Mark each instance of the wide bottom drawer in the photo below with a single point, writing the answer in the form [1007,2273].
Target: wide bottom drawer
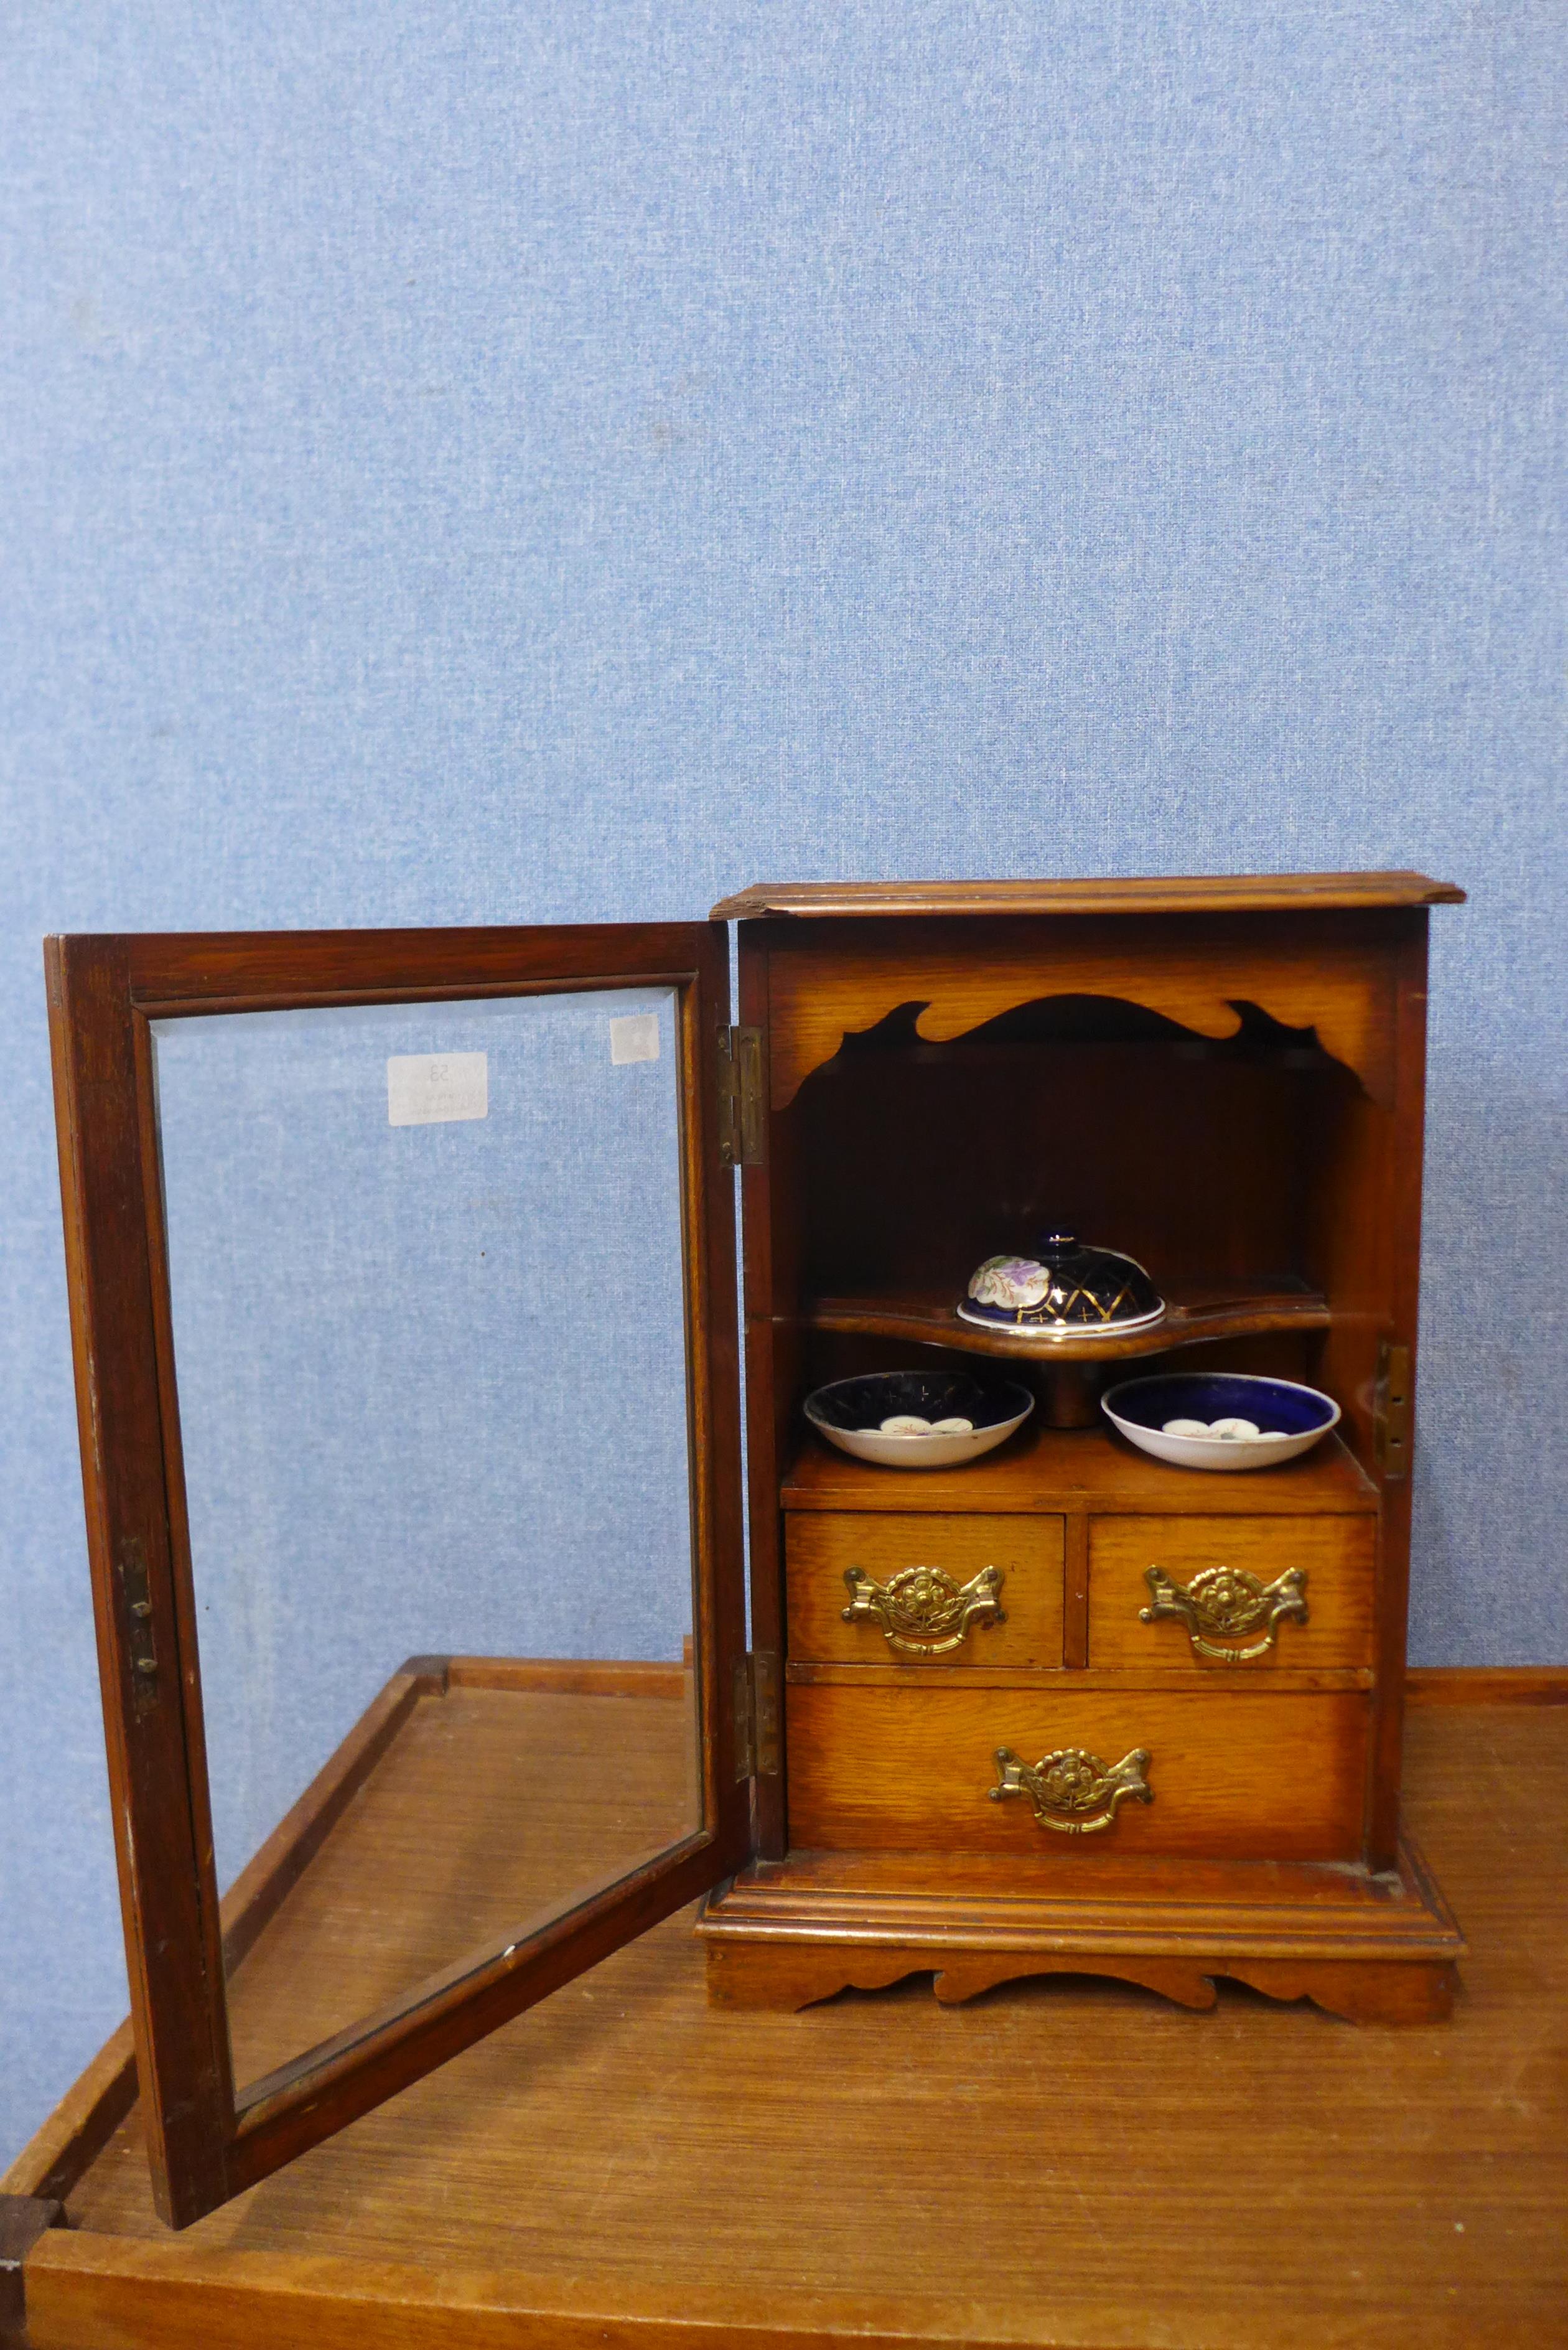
[1253,1776]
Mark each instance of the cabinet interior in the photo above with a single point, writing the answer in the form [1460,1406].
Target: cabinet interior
[1224,1167]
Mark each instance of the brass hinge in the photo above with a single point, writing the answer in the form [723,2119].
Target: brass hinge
[757,1716]
[1391,1413]
[140,1648]
[741,1097]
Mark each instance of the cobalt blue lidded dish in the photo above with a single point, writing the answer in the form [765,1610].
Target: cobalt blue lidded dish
[1070,1290]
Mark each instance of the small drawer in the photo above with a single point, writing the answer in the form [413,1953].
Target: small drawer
[1251,1593]
[881,1587]
[1262,1776]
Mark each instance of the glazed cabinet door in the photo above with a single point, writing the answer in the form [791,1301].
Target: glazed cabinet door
[402,1283]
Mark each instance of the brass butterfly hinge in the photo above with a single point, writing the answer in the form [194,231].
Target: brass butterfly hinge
[1073,1789]
[1223,1605]
[1391,1412]
[757,1716]
[921,1610]
[741,1097]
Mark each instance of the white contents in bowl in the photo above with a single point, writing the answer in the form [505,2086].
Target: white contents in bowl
[906,1423]
[1229,1431]
[952,1428]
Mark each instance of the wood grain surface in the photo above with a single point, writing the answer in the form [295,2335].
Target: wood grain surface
[1372,1949]
[1074,1470]
[1326,972]
[933,1320]
[1253,1773]
[23,2219]
[917,1160]
[1063,2163]
[1487,1685]
[1337,1556]
[1196,893]
[205,2143]
[820,1545]
[1224,1079]
[142,1614]
[492,1811]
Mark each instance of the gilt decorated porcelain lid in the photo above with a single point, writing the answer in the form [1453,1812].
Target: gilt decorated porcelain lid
[1069,1290]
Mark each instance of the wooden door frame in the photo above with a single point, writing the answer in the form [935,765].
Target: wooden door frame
[205,2142]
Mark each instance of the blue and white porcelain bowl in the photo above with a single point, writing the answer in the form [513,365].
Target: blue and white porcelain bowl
[1289,1420]
[851,1414]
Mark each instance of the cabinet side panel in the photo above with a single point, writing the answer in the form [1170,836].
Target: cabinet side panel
[1365,1257]
[1404,1215]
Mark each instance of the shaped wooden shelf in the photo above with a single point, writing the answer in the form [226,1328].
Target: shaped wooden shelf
[1213,1311]
[1079,1470]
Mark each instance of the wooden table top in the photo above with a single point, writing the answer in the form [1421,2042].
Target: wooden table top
[1063,2162]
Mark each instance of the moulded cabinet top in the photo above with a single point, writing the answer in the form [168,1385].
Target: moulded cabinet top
[1178,893]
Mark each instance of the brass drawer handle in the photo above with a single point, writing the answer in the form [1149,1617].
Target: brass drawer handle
[1224,1604]
[1073,1789]
[922,1611]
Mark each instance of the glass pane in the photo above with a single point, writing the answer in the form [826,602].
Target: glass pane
[429,1315]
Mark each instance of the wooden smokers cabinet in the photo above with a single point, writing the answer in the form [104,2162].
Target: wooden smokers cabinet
[1064,1709]
[1157,1732]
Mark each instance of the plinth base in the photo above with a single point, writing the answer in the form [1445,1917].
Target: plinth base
[1372,1950]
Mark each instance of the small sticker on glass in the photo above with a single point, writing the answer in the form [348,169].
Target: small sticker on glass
[435,1088]
[635,1038]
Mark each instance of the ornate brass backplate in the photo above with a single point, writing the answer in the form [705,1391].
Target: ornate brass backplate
[922,1611]
[1222,1604]
[1073,1789]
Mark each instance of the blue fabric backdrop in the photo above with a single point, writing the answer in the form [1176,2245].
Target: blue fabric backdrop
[566,459]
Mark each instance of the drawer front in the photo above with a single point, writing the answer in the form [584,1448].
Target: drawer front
[1258,1776]
[1249,1592]
[926,1589]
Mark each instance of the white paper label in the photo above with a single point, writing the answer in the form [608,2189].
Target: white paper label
[432,1089]
[635,1038]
